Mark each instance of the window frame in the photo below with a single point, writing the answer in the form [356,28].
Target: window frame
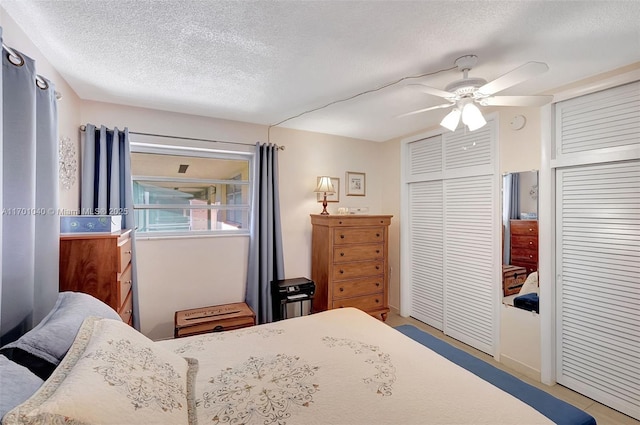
[196,152]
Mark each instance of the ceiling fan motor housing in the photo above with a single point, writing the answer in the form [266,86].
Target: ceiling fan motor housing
[466,86]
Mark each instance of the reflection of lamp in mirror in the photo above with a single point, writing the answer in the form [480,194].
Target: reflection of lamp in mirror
[326,187]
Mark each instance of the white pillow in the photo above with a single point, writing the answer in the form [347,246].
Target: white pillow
[113,375]
[530,285]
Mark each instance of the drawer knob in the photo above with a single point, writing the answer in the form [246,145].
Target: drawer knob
[530,243]
[377,251]
[377,235]
[341,236]
[377,301]
[128,252]
[340,222]
[531,230]
[377,267]
[218,328]
[341,289]
[342,254]
[128,312]
[128,282]
[377,283]
[341,271]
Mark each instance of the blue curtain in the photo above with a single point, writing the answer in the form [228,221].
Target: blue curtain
[107,186]
[510,210]
[29,193]
[266,262]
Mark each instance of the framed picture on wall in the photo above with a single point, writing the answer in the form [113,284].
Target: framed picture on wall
[356,184]
[331,197]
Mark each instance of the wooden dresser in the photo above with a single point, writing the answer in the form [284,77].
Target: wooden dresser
[349,262]
[524,244]
[99,265]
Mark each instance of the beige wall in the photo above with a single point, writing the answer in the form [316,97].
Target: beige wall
[519,149]
[174,274]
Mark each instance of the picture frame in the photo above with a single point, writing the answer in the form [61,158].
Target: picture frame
[331,197]
[355,184]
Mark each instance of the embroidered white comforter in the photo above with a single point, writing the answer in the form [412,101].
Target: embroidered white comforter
[337,367]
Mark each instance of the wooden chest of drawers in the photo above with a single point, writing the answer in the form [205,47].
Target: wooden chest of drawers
[99,265]
[350,265]
[524,244]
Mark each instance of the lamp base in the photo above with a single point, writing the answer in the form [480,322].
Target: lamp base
[324,206]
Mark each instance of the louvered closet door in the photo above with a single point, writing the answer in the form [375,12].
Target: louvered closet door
[469,230]
[426,245]
[598,268]
[453,225]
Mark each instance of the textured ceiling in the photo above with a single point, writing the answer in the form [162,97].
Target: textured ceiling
[265,61]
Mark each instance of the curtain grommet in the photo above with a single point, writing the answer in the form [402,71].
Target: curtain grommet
[41,83]
[13,56]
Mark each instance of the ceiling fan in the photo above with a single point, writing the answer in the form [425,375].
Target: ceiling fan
[464,95]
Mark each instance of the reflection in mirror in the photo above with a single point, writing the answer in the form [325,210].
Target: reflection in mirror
[519,229]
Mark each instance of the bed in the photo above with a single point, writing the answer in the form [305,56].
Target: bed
[336,367]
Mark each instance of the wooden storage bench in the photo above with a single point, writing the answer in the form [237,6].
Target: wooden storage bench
[513,278]
[213,319]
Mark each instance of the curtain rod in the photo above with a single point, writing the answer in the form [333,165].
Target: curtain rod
[40,81]
[84,127]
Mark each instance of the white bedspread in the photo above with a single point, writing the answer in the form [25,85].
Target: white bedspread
[338,367]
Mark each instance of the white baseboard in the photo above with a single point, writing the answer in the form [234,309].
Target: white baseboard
[520,367]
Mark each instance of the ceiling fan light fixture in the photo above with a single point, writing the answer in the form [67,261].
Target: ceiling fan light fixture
[472,117]
[450,122]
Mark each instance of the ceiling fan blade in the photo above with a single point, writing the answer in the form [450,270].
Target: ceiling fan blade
[419,111]
[516,100]
[516,76]
[432,91]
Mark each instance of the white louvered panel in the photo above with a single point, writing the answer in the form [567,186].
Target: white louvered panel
[425,156]
[469,236]
[606,119]
[464,149]
[599,282]
[426,245]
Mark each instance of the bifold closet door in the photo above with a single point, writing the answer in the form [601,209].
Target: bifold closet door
[426,222]
[469,235]
[598,282]
[452,229]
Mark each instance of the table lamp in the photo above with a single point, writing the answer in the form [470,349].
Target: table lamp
[325,186]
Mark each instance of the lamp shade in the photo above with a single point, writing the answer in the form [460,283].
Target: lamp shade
[450,122]
[472,117]
[325,185]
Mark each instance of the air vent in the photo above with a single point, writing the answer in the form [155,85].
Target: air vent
[183,168]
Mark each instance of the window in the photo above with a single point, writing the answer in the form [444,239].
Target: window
[182,191]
